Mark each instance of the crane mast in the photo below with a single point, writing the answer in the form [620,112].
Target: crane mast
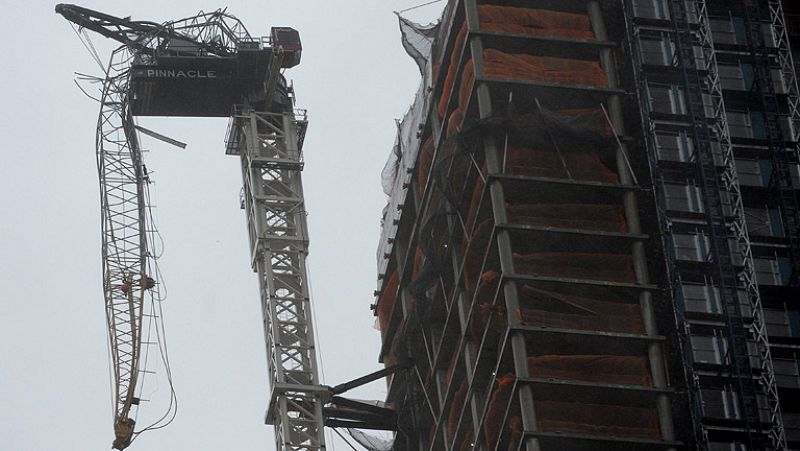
[209,65]
[269,145]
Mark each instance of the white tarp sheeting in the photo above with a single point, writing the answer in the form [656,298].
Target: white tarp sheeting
[417,40]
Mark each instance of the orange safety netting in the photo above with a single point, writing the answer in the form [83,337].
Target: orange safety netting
[580,164]
[597,419]
[580,265]
[548,308]
[386,301]
[568,416]
[419,259]
[610,369]
[466,442]
[424,163]
[523,67]
[497,409]
[481,315]
[452,365]
[600,217]
[455,121]
[515,426]
[455,409]
[539,22]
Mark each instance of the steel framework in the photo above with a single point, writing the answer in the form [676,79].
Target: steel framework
[274,156]
[270,147]
[784,155]
[124,245]
[708,124]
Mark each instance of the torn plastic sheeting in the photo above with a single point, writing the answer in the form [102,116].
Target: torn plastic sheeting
[371,442]
[396,173]
[418,40]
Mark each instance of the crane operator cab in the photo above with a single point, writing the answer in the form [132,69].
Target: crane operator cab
[181,78]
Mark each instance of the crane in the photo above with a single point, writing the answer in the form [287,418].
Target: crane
[208,65]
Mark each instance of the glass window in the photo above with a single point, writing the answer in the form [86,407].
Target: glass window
[722,31]
[683,197]
[757,121]
[794,169]
[651,9]
[787,373]
[658,52]
[739,124]
[667,99]
[720,403]
[748,76]
[739,30]
[777,322]
[701,297]
[777,81]
[726,446]
[692,247]
[731,77]
[749,172]
[775,222]
[794,322]
[764,221]
[708,348]
[674,146]
[772,271]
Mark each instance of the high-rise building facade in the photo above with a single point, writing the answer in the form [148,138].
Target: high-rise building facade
[592,239]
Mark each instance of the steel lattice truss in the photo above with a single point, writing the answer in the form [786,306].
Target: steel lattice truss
[738,225]
[123,187]
[124,246]
[217,33]
[735,228]
[270,151]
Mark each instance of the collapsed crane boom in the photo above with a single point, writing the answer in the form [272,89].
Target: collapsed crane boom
[208,65]
[202,66]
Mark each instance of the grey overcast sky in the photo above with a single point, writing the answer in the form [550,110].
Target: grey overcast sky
[355,79]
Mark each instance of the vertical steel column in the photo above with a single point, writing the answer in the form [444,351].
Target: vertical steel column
[780,180]
[271,169]
[654,350]
[518,345]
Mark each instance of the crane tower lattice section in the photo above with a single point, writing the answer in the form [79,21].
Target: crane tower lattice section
[270,148]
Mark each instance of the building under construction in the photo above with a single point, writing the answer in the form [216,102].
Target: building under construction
[592,239]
